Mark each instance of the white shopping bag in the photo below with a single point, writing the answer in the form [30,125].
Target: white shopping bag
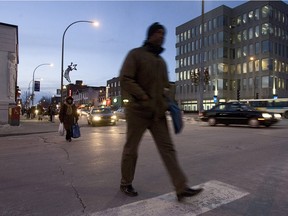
[61,129]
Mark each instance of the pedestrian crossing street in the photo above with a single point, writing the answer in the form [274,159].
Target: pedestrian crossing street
[215,194]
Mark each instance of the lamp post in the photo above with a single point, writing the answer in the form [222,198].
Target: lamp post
[62,56]
[33,80]
[201,74]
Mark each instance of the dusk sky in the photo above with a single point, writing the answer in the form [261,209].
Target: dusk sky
[97,51]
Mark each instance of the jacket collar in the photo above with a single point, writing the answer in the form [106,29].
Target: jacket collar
[152,48]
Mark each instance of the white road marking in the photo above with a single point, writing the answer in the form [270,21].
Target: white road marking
[214,195]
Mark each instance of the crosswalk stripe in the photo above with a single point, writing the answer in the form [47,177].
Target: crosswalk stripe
[215,194]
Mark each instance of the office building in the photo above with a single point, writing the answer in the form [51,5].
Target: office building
[244,50]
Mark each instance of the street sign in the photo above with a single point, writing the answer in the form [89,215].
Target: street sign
[37,86]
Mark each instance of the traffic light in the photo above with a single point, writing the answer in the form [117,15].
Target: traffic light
[17,92]
[238,94]
[197,77]
[193,77]
[206,76]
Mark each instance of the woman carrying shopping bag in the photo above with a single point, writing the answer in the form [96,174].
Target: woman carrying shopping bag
[68,116]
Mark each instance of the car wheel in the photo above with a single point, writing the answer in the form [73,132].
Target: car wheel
[212,121]
[267,125]
[253,122]
[286,115]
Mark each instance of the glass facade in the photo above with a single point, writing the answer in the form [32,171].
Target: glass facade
[244,51]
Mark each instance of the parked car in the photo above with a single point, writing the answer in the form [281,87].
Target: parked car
[120,113]
[101,116]
[238,113]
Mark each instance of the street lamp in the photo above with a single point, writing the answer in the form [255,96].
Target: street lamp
[33,85]
[62,56]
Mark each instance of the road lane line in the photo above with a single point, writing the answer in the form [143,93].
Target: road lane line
[214,195]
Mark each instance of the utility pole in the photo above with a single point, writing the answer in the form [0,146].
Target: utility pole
[201,71]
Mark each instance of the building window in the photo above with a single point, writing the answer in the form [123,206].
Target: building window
[238,53]
[265,46]
[177,38]
[244,67]
[239,37]
[189,34]
[244,84]
[250,34]
[256,31]
[265,11]
[244,34]
[232,69]
[220,37]
[257,66]
[238,69]
[257,48]
[220,52]
[209,25]
[239,20]
[244,20]
[265,29]
[215,23]
[251,66]
[250,84]
[251,49]
[222,68]
[256,14]
[245,51]
[264,64]
[265,82]
[232,53]
[251,15]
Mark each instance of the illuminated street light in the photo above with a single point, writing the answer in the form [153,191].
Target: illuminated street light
[62,56]
[33,80]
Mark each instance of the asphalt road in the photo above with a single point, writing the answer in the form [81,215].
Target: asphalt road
[43,175]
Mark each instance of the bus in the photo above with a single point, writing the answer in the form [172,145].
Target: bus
[279,105]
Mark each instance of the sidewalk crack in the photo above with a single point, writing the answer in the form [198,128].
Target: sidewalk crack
[67,153]
[79,198]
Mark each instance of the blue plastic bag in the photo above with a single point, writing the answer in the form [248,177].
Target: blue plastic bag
[76,131]
[176,116]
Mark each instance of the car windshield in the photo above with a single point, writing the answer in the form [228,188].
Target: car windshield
[102,111]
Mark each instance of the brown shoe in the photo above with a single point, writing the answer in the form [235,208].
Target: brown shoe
[128,190]
[188,192]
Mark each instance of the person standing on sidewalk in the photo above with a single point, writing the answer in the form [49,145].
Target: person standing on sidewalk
[144,80]
[68,116]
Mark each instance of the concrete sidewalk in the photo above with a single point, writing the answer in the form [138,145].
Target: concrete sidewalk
[29,126]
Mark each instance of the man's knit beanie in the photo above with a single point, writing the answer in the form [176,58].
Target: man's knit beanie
[153,28]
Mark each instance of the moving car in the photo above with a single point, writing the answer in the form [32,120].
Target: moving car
[120,113]
[83,111]
[238,113]
[101,116]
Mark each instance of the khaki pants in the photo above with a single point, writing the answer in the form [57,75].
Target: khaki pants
[136,126]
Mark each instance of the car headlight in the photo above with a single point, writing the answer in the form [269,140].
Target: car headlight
[96,118]
[113,117]
[266,115]
[277,115]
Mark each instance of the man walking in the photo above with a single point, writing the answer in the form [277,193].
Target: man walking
[144,82]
